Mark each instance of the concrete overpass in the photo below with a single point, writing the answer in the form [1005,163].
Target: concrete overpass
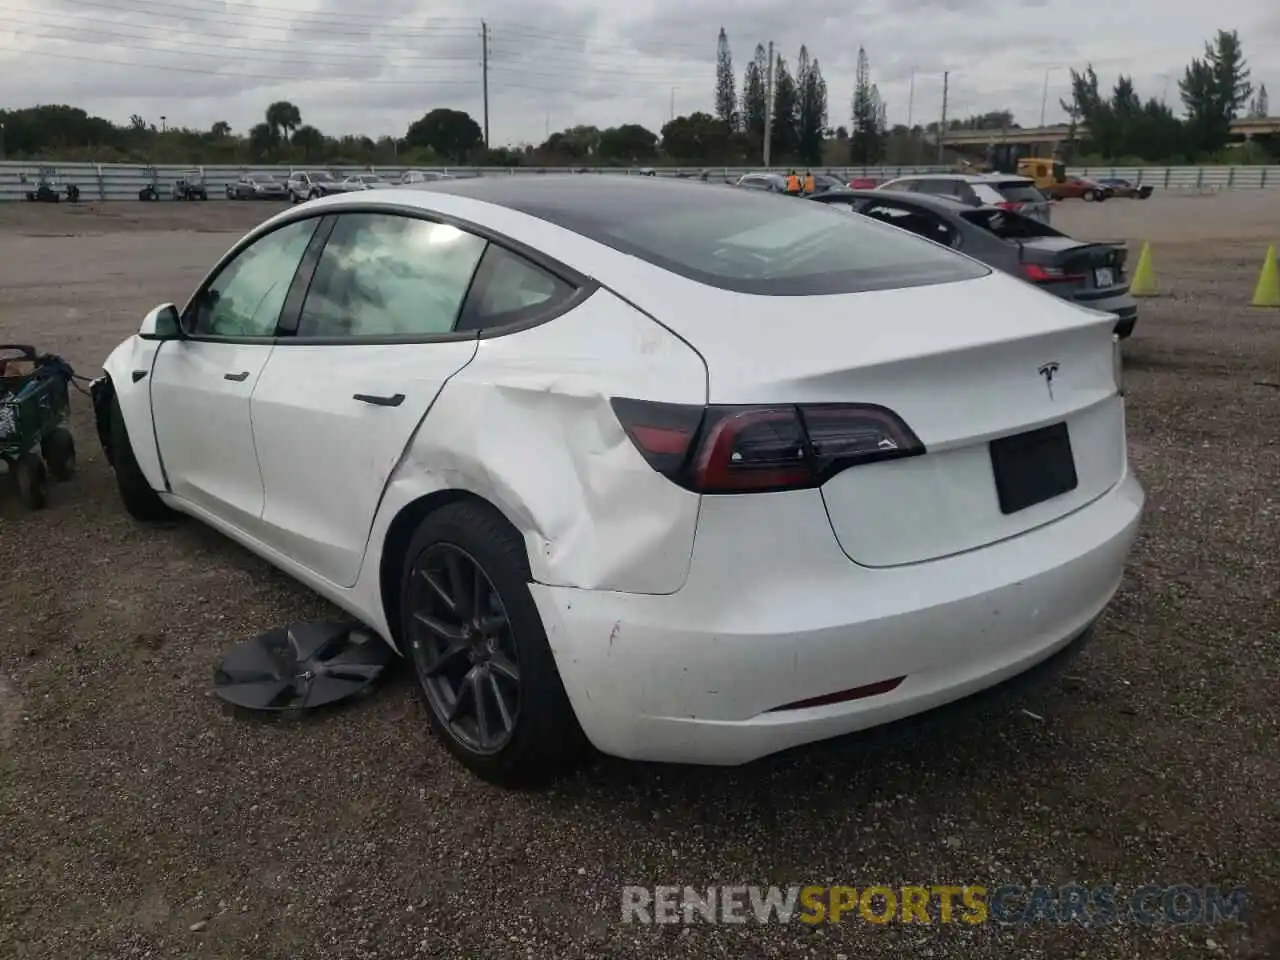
[1244,127]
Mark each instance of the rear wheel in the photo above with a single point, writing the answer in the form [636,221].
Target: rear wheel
[32,480]
[477,646]
[59,450]
[142,502]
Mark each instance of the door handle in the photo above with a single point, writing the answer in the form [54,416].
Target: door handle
[237,377]
[392,401]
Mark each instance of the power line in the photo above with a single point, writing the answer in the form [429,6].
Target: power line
[285,52]
[222,73]
[341,25]
[421,65]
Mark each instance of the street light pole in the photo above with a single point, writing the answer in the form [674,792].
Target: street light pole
[911,98]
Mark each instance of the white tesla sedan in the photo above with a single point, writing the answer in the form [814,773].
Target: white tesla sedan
[687,473]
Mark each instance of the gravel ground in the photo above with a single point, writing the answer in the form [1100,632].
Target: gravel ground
[139,819]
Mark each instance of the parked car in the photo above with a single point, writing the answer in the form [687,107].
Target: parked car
[423,176]
[363,181]
[1077,188]
[190,186]
[864,183]
[823,182]
[772,182]
[1018,194]
[257,187]
[1087,273]
[306,185]
[797,473]
[1127,188]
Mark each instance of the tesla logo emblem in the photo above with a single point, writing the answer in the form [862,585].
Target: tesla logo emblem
[1049,371]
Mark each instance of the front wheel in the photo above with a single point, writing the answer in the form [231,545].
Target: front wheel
[475,639]
[142,502]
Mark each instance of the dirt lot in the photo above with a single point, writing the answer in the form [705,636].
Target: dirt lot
[138,819]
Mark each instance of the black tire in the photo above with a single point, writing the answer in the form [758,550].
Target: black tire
[59,451]
[545,739]
[32,480]
[142,502]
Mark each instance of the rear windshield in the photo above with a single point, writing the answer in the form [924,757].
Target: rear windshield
[1019,191]
[1009,226]
[779,246]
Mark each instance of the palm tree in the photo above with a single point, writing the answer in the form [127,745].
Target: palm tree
[283,118]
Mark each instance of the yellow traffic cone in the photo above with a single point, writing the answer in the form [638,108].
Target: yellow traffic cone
[1267,292]
[1144,278]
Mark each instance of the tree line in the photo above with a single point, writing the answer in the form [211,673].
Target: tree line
[1118,126]
[1215,89]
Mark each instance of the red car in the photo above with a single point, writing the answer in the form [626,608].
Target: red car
[865,183]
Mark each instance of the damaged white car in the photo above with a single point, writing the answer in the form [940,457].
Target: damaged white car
[681,472]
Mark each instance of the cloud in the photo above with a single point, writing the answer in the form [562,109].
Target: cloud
[374,69]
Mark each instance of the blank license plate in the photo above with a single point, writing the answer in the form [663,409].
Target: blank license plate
[1104,277]
[1033,467]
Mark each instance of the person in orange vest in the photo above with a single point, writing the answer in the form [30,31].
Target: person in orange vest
[793,182]
[809,184]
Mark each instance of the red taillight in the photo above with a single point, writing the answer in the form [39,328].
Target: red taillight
[1010,205]
[750,449]
[1038,274]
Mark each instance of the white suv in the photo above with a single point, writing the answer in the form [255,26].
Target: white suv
[980,190]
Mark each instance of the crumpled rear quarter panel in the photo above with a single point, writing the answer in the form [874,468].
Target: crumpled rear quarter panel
[528,425]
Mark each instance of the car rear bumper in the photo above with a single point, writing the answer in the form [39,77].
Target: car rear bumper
[1123,306]
[700,676]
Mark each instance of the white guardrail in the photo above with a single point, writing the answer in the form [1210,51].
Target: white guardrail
[124,181]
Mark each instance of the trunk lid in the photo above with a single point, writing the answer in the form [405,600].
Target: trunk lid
[1075,269]
[962,364]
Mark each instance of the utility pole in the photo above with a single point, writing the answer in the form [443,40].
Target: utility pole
[673,102]
[768,106]
[1044,96]
[911,98]
[484,64]
[942,125]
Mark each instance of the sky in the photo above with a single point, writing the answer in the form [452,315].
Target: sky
[351,70]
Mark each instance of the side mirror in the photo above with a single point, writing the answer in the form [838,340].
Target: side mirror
[162,323]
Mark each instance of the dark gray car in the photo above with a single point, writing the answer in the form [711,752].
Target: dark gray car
[1090,274]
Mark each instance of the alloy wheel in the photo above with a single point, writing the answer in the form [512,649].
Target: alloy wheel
[463,648]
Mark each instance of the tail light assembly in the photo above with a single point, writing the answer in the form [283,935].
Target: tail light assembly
[1037,273]
[1011,205]
[722,449]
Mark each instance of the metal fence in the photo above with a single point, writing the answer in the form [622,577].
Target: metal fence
[124,181]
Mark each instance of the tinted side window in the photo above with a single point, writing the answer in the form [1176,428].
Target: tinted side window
[919,222]
[383,275]
[509,289]
[1020,192]
[245,298]
[940,188]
